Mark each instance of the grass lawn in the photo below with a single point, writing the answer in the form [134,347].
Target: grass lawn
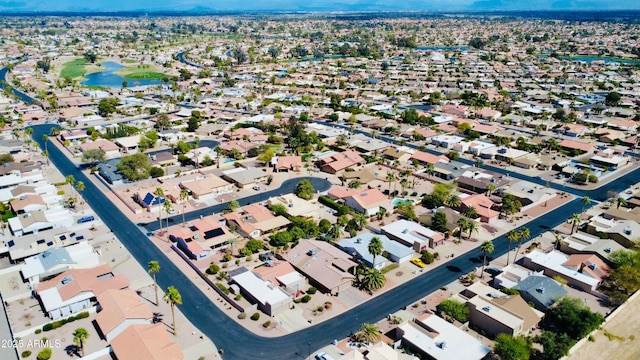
[138,72]
[73,69]
[128,61]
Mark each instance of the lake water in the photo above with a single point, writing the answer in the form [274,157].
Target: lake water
[606,60]
[109,78]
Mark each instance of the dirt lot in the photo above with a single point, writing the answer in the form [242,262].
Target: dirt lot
[622,328]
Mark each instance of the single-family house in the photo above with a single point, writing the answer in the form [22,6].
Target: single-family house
[340,161]
[145,342]
[56,260]
[328,268]
[254,220]
[76,289]
[287,163]
[367,201]
[358,246]
[270,298]
[413,234]
[118,310]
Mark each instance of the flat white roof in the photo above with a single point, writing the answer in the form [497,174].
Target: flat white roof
[446,342]
[554,260]
[262,291]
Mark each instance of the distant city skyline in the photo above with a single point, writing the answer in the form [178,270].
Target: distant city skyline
[311,5]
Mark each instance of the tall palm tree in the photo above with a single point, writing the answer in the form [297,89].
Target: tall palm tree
[463,223]
[196,145]
[335,232]
[368,333]
[512,237]
[391,177]
[404,183]
[486,248]
[71,180]
[167,207]
[160,194]
[45,139]
[361,220]
[80,188]
[184,196]
[585,202]
[173,297]
[375,248]
[80,335]
[430,168]
[523,235]
[153,268]
[491,187]
[218,151]
[574,220]
[472,227]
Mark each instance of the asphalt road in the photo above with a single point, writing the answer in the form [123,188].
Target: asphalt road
[288,186]
[235,339]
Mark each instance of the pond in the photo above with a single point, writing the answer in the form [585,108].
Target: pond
[109,78]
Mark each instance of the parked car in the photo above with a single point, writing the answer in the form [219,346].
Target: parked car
[418,262]
[323,356]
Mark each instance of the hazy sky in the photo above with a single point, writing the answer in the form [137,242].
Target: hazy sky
[306,5]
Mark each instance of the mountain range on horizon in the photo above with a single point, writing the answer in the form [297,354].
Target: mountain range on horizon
[202,6]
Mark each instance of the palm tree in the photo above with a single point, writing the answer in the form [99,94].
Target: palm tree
[196,145]
[463,223]
[512,236]
[173,297]
[80,335]
[167,207]
[574,220]
[472,227]
[80,188]
[361,220]
[233,242]
[372,279]
[354,184]
[585,202]
[375,248]
[45,139]
[452,201]
[486,248]
[523,235]
[430,168]
[335,232]
[368,333]
[491,187]
[218,151]
[160,194]
[153,268]
[71,180]
[184,196]
[391,177]
[404,183]
[621,201]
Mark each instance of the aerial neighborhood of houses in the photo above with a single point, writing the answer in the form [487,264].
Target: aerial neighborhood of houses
[470,186]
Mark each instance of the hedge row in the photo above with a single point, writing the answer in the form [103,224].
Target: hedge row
[341,209]
[223,288]
[58,323]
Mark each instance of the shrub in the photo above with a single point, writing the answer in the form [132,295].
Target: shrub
[38,331]
[213,269]
[44,354]
[47,327]
[328,305]
[255,316]
[57,324]
[26,354]
[82,315]
[226,257]
[223,288]
[238,297]
[305,299]
[510,291]
[242,315]
[312,290]
[389,267]
[238,262]
[266,324]
[454,309]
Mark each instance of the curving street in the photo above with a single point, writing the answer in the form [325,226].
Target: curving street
[232,337]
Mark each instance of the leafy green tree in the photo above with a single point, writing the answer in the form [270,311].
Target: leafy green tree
[555,345]
[6,158]
[80,336]
[172,297]
[512,348]
[134,167]
[233,205]
[439,222]
[93,156]
[107,106]
[454,309]
[194,121]
[156,172]
[90,56]
[612,99]
[573,317]
[304,190]
[354,184]
[324,226]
